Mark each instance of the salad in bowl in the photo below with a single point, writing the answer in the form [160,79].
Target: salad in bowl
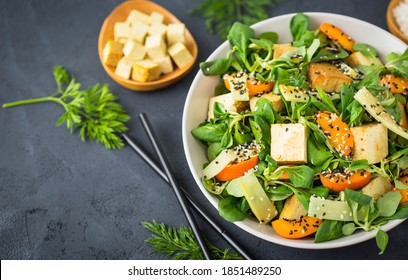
[305,134]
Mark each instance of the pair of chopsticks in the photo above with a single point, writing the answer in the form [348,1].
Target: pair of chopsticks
[183,197]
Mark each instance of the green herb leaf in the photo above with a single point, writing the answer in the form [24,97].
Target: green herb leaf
[329,230]
[382,240]
[210,132]
[298,25]
[220,15]
[230,210]
[216,67]
[388,203]
[365,49]
[95,111]
[180,244]
[264,109]
[348,229]
[300,175]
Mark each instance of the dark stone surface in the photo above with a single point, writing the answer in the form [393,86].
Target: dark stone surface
[61,198]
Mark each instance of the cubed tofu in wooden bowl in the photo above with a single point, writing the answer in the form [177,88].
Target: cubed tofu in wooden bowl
[144,47]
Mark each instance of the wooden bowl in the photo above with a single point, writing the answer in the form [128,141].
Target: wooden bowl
[120,13]
[392,23]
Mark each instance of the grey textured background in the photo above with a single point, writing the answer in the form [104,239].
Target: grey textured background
[61,198]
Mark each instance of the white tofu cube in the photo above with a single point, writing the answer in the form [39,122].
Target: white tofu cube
[112,52]
[370,142]
[122,40]
[156,17]
[175,33]
[180,55]
[228,102]
[145,71]
[134,50]
[158,29]
[165,64]
[124,68]
[138,32]
[120,30]
[155,46]
[289,143]
[137,16]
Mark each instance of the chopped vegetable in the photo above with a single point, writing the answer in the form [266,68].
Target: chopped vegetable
[236,169]
[396,85]
[335,210]
[294,229]
[256,87]
[293,94]
[343,178]
[337,35]
[404,195]
[337,132]
[262,207]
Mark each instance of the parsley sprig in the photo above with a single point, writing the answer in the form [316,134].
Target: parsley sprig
[180,244]
[220,15]
[95,111]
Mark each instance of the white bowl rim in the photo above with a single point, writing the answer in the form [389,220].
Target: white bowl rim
[306,243]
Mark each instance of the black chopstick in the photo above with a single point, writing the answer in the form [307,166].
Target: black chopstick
[172,181]
[190,199]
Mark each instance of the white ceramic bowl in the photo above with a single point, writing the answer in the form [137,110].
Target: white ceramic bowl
[202,88]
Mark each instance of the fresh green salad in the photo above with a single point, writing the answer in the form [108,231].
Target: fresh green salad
[309,137]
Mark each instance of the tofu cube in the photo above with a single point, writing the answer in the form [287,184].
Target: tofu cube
[276,100]
[279,49]
[138,32]
[145,71]
[155,47]
[134,50]
[156,17]
[120,31]
[112,53]
[165,64]
[124,68]
[327,76]
[228,102]
[137,16]
[289,143]
[175,33]
[158,29]
[180,55]
[370,142]
[122,40]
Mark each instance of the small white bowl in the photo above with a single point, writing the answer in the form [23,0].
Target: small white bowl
[202,88]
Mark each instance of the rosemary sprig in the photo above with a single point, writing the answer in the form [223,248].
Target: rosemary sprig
[94,111]
[180,244]
[220,15]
